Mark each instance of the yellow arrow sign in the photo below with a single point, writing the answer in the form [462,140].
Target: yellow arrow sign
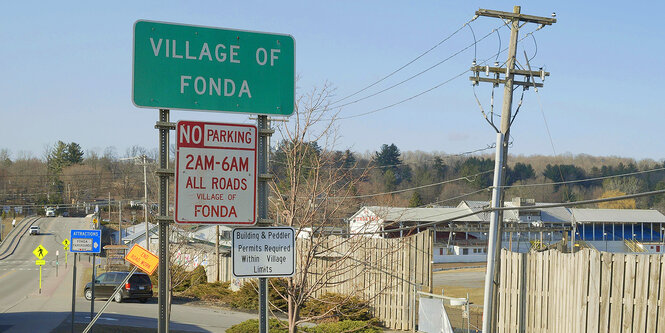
[40,252]
[40,262]
[65,243]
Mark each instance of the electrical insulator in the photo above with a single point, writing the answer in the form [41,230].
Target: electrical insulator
[487,70]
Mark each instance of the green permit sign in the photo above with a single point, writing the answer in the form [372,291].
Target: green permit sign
[189,67]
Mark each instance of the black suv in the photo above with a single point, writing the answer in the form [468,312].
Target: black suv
[138,287]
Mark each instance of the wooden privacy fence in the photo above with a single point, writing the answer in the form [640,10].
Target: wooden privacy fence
[225,269]
[386,272]
[588,291]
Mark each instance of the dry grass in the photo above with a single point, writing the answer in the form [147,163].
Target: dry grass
[475,294]
[448,265]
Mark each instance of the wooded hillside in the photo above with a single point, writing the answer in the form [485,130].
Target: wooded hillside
[66,175]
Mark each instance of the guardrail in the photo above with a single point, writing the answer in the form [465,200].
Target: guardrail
[10,243]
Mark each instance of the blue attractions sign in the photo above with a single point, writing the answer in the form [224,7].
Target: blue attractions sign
[86,241]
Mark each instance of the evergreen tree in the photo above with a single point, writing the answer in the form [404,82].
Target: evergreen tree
[476,170]
[565,172]
[416,200]
[440,168]
[389,180]
[348,160]
[388,157]
[74,154]
[520,172]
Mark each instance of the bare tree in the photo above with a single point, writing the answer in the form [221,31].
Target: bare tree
[311,188]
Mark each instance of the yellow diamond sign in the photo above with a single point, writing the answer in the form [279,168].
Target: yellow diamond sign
[40,252]
[66,243]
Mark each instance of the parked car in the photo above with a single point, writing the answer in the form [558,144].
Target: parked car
[138,287]
[34,230]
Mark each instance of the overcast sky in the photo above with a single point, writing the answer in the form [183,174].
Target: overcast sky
[67,72]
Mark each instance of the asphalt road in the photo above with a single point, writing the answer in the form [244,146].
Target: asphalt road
[24,309]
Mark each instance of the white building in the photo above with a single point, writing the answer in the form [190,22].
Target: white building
[615,230]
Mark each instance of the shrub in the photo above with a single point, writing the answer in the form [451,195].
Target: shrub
[198,276]
[246,298]
[277,326]
[337,307]
[275,288]
[344,326]
[179,278]
[215,291]
[252,326]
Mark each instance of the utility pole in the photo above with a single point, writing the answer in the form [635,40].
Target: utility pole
[120,222]
[145,205]
[217,252]
[517,20]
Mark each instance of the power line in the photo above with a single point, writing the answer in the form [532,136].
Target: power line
[408,63]
[425,91]
[447,156]
[489,210]
[421,72]
[587,179]
[416,187]
[458,197]
[101,173]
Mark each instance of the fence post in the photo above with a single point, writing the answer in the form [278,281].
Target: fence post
[413,309]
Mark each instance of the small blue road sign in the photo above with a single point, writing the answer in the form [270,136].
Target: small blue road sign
[86,241]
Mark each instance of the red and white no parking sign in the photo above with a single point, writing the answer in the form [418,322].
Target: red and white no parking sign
[216,172]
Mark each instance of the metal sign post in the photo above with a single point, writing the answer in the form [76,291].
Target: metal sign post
[74,292]
[108,301]
[141,258]
[40,252]
[85,241]
[177,66]
[40,275]
[162,302]
[92,288]
[264,133]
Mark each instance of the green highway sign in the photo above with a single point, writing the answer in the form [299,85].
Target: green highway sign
[187,67]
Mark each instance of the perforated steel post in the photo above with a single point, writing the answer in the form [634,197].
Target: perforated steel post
[162,326]
[264,133]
